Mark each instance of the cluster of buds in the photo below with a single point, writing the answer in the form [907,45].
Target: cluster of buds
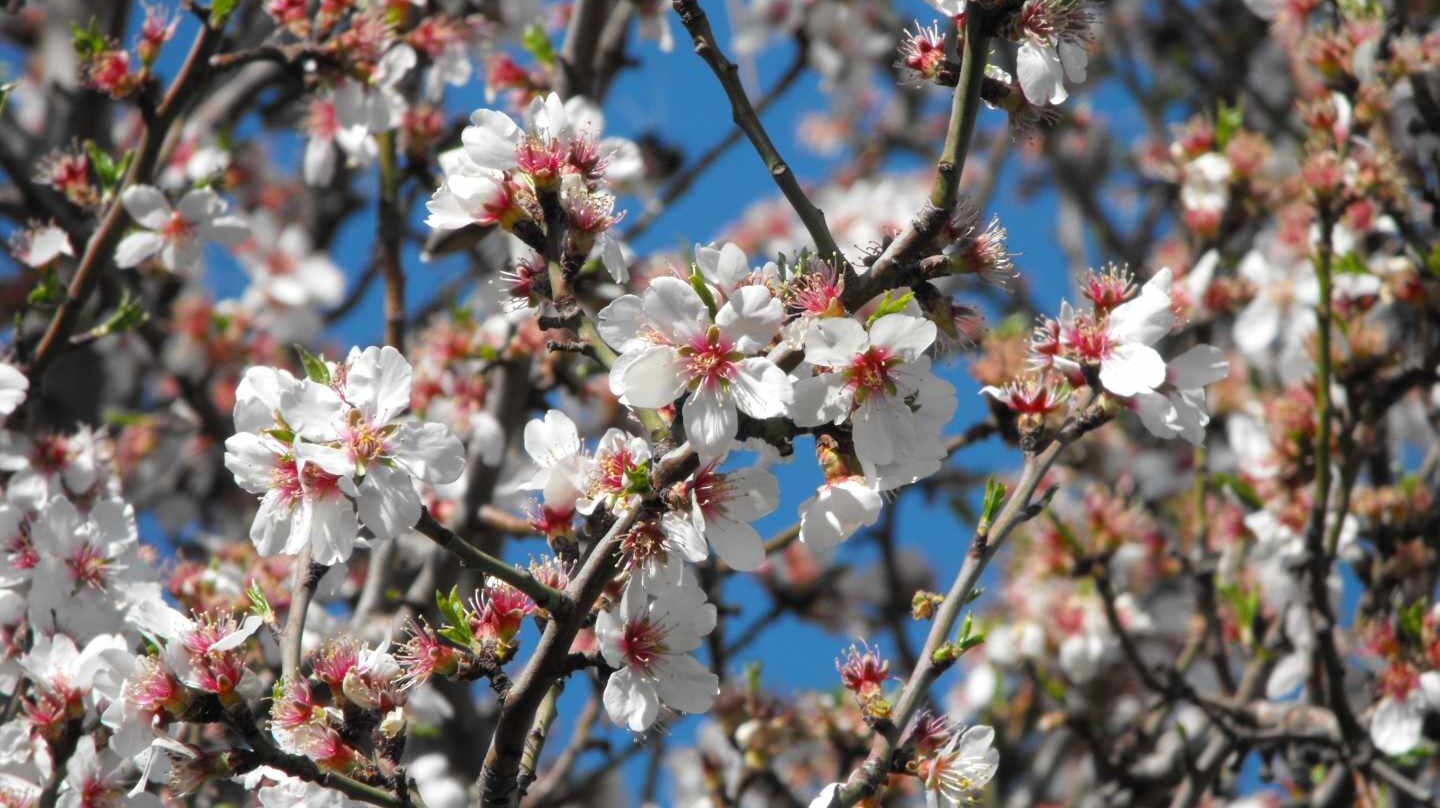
[365,710]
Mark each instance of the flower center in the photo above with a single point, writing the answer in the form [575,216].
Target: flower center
[87,566]
[710,359]
[644,545]
[177,229]
[872,372]
[1090,341]
[642,643]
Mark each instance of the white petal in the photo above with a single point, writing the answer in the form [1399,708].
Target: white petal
[622,323]
[378,383]
[736,543]
[710,421]
[675,309]
[429,451]
[1039,70]
[333,530]
[1289,674]
[834,341]
[147,206]
[751,317]
[1132,368]
[823,399]
[650,377]
[630,701]
[755,493]
[137,248]
[905,336]
[1197,367]
[762,389]
[388,503]
[251,459]
[491,139]
[319,166]
[552,440]
[685,684]
[1395,727]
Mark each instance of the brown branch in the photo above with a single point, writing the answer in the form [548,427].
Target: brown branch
[682,183]
[98,251]
[944,192]
[698,25]
[473,557]
[984,544]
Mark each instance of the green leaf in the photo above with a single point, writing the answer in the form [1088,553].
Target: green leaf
[457,623]
[1350,264]
[1432,261]
[315,368]
[1412,620]
[103,164]
[259,604]
[1071,541]
[220,11]
[697,282]
[1228,120]
[889,305]
[87,41]
[994,497]
[537,43]
[1241,489]
[128,314]
[48,291]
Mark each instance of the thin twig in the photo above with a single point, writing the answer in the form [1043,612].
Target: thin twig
[698,25]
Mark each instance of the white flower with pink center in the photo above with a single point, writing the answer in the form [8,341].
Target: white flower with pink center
[619,474]
[388,455]
[86,572]
[304,487]
[285,269]
[326,136]
[48,465]
[722,506]
[869,378]
[176,234]
[1120,343]
[671,346]
[1397,725]
[648,640]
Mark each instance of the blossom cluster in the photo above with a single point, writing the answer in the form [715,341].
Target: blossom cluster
[579,468]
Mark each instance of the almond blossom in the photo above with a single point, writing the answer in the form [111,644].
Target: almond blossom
[1397,723]
[865,377]
[305,487]
[388,454]
[175,234]
[722,506]
[648,638]
[672,345]
[1054,35]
